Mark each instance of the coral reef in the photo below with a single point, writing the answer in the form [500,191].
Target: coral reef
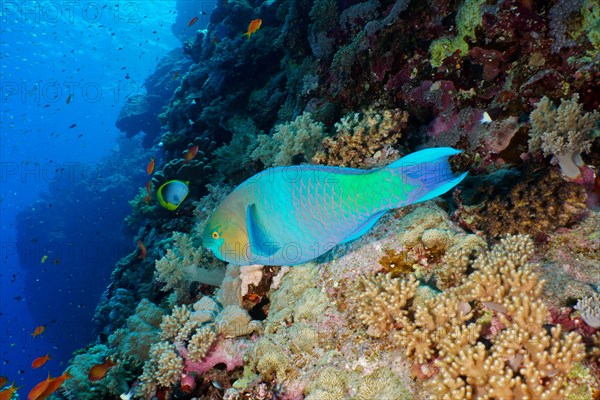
[361,137]
[186,262]
[537,204]
[473,360]
[297,138]
[563,132]
[419,307]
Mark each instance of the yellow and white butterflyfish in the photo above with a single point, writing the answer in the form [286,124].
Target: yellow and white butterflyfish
[171,194]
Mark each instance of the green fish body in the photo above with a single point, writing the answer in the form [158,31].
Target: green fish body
[291,215]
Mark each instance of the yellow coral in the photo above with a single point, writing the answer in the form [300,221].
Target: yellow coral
[519,359]
[381,303]
[362,136]
[201,341]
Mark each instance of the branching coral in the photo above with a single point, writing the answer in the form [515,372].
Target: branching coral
[181,265]
[361,136]
[564,132]
[382,302]
[298,137]
[193,343]
[472,357]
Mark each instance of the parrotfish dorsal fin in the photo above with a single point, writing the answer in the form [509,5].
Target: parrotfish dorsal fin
[261,242]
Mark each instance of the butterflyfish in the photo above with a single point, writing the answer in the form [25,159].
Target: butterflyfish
[38,362]
[291,215]
[171,194]
[253,26]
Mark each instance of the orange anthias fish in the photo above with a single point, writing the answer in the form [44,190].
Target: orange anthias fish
[148,196]
[39,389]
[38,331]
[7,393]
[253,26]
[191,153]
[38,362]
[142,248]
[193,21]
[54,384]
[150,167]
[3,381]
[98,371]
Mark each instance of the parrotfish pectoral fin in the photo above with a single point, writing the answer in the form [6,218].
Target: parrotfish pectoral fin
[261,242]
[364,228]
[431,170]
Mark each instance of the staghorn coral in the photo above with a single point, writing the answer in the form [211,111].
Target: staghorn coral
[563,132]
[510,356]
[362,136]
[298,137]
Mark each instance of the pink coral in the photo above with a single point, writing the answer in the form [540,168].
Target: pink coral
[229,352]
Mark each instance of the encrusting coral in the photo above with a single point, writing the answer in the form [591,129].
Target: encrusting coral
[537,205]
[361,137]
[485,338]
[563,132]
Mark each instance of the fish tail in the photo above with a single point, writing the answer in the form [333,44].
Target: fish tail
[427,172]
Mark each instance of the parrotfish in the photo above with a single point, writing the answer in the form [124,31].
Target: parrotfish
[291,215]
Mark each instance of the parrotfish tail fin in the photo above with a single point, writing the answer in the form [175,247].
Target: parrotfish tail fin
[428,171]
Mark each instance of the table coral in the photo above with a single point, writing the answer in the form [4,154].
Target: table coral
[563,132]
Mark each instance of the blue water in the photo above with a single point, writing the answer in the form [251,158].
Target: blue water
[66,172]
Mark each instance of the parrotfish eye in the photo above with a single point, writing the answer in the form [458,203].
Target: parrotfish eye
[215,235]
